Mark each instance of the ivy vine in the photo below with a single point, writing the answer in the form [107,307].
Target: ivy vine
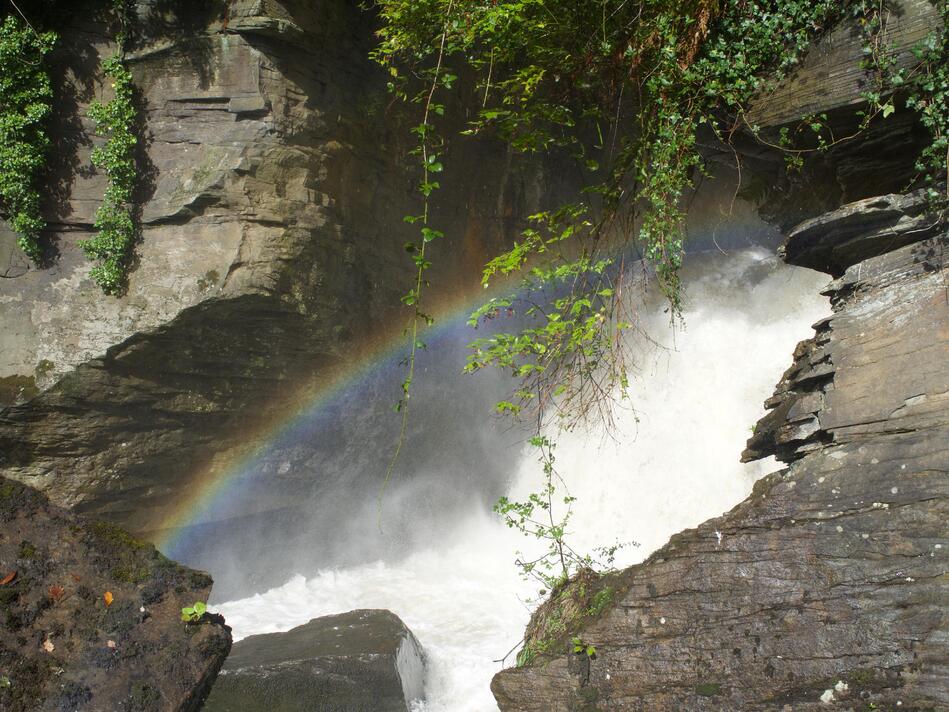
[623,88]
[929,97]
[25,104]
[114,220]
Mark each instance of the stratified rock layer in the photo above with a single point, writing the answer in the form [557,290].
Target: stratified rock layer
[360,660]
[837,240]
[826,588]
[92,617]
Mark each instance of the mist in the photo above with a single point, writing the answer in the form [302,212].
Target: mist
[437,556]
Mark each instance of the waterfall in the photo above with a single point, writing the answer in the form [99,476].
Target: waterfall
[670,462]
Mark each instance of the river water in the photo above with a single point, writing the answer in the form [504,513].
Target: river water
[670,462]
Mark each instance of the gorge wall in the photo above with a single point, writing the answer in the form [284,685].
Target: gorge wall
[826,588]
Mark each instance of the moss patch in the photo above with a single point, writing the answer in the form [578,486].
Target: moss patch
[708,689]
[127,559]
[16,497]
[571,607]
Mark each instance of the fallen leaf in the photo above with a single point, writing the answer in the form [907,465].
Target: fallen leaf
[76,578]
[107,597]
[8,578]
[56,592]
[48,645]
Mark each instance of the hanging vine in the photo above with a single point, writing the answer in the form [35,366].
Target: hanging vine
[622,88]
[426,151]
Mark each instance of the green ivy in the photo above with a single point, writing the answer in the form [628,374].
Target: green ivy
[623,88]
[116,120]
[929,96]
[25,104]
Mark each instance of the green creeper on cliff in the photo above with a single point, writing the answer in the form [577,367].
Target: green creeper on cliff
[25,103]
[114,218]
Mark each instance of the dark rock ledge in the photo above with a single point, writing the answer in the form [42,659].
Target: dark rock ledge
[91,617]
[827,587]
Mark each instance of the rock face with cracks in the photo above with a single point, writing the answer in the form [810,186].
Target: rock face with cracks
[826,588]
[92,617]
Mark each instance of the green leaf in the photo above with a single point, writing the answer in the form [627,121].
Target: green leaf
[428,234]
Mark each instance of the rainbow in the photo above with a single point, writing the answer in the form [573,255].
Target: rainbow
[208,491]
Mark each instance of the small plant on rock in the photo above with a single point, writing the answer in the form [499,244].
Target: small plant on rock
[26,97]
[581,648]
[193,614]
[545,516]
[115,223]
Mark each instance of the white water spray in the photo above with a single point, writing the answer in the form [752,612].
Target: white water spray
[673,464]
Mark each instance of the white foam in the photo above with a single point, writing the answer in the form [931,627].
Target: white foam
[674,468]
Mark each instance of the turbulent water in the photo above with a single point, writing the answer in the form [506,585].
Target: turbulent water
[670,463]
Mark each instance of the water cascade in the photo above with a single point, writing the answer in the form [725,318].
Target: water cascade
[670,462]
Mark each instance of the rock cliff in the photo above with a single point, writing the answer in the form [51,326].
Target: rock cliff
[826,588]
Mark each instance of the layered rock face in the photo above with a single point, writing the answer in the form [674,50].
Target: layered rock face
[826,588]
[360,660]
[274,185]
[92,617]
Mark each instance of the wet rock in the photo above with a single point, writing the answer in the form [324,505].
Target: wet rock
[825,589]
[90,616]
[834,241]
[364,660]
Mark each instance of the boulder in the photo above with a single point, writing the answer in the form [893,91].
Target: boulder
[825,589]
[90,615]
[361,661]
